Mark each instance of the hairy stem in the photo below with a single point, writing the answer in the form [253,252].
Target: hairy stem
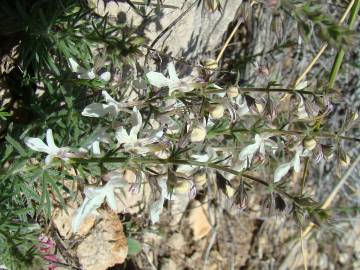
[265,90]
[171,161]
[317,134]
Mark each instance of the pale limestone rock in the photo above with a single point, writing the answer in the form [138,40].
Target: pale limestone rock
[198,220]
[176,241]
[105,246]
[178,207]
[63,220]
[132,201]
[198,33]
[168,264]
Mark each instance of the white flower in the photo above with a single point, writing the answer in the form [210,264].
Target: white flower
[156,207]
[283,169]
[130,140]
[188,170]
[173,83]
[50,148]
[95,196]
[241,106]
[93,142]
[111,107]
[249,151]
[87,74]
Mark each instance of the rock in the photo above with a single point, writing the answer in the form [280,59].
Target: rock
[168,264]
[176,241]
[178,207]
[62,221]
[198,220]
[105,246]
[197,33]
[131,200]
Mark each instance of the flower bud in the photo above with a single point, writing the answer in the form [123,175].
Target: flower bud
[198,134]
[327,151]
[259,107]
[210,63]
[154,124]
[200,179]
[217,111]
[345,160]
[232,91]
[230,191]
[212,5]
[354,116]
[309,143]
[183,187]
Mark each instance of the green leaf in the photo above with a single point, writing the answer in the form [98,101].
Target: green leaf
[16,145]
[134,247]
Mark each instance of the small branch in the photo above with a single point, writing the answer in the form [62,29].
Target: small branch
[298,132]
[323,48]
[229,39]
[153,161]
[265,90]
[303,179]
[340,55]
[308,230]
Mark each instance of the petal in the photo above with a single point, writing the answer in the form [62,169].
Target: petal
[110,200]
[96,148]
[281,171]
[248,151]
[89,206]
[97,110]
[109,99]
[185,169]
[50,141]
[106,76]
[157,79]
[301,85]
[296,163]
[137,122]
[37,145]
[78,217]
[90,74]
[122,136]
[172,72]
[201,158]
[74,66]
[113,176]
[156,208]
[49,159]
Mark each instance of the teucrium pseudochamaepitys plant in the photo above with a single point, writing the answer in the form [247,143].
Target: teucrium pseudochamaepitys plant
[181,140]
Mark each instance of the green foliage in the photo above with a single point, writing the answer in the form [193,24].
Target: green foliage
[3,114]
[134,247]
[47,35]
[312,19]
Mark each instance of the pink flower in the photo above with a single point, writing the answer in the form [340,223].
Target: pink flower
[46,249]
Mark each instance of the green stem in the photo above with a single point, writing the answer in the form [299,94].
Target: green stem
[265,90]
[340,55]
[297,132]
[170,161]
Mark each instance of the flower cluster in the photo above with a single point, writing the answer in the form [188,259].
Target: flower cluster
[190,131]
